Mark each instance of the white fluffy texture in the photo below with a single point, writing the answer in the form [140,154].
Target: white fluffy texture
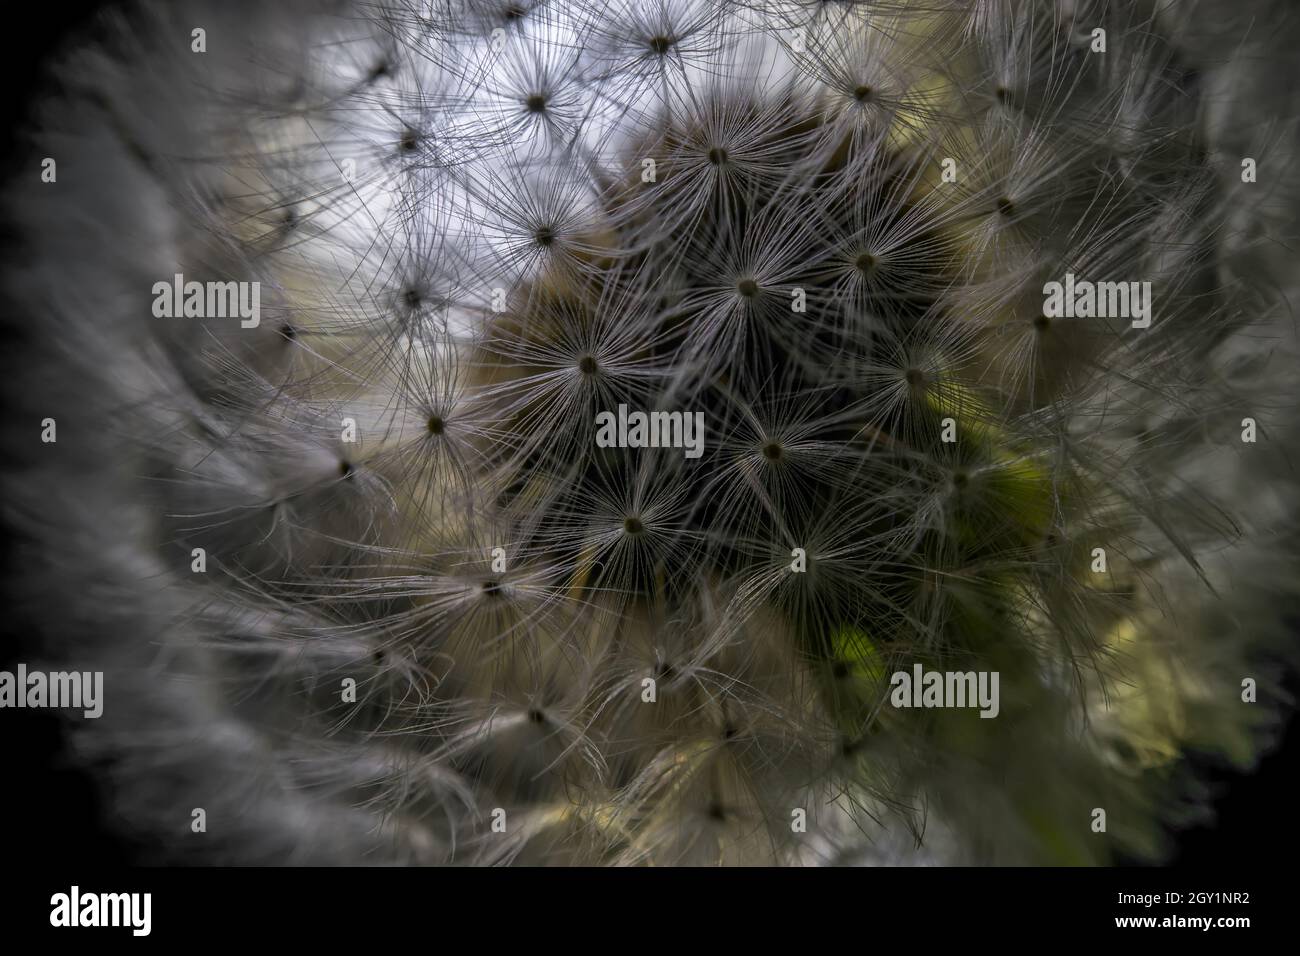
[479,691]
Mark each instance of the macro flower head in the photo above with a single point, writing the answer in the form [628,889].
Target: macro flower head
[945,339]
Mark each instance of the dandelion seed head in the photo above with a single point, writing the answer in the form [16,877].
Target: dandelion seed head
[476,227]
